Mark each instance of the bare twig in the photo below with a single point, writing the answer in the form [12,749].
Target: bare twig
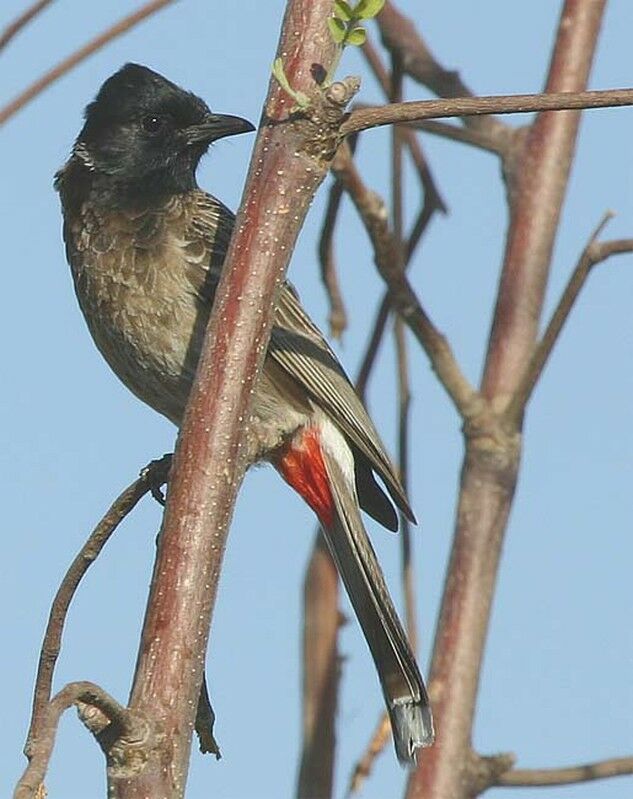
[587,772]
[377,742]
[472,136]
[491,464]
[373,345]
[128,725]
[594,253]
[399,35]
[404,392]
[21,21]
[153,475]
[403,298]
[394,113]
[79,55]
[432,194]
[338,315]
[380,322]
[404,401]
[321,673]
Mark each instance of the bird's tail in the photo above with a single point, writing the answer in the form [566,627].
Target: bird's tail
[402,684]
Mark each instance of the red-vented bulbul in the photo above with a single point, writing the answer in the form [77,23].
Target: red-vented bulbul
[146,247]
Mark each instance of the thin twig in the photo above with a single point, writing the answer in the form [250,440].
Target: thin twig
[380,322]
[600,770]
[400,35]
[373,345]
[404,392]
[21,21]
[79,55]
[377,742]
[393,113]
[338,315]
[322,620]
[154,474]
[594,253]
[403,297]
[472,136]
[382,76]
[128,725]
[404,400]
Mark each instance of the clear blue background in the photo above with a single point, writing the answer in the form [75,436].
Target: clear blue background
[556,686]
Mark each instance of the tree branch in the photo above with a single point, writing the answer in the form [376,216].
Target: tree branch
[491,463]
[399,35]
[23,19]
[131,730]
[153,475]
[79,55]
[321,673]
[402,296]
[587,772]
[377,742]
[338,316]
[398,113]
[290,160]
[594,253]
[432,194]
[472,136]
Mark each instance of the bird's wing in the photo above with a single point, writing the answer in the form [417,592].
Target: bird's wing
[298,346]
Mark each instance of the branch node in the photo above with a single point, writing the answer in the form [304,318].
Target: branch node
[485,771]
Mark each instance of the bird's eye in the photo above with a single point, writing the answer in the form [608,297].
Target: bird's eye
[153,123]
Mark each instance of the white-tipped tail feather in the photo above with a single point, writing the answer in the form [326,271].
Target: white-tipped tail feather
[402,684]
[412,725]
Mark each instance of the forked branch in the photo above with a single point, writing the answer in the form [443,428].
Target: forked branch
[151,478]
[128,728]
[594,253]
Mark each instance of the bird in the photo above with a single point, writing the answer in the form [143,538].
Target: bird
[145,245]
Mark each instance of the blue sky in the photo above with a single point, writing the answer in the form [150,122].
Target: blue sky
[556,685]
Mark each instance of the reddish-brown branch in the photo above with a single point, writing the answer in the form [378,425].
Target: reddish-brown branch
[129,729]
[546,162]
[154,474]
[321,662]
[338,315]
[288,164]
[327,259]
[79,55]
[377,743]
[594,253]
[491,464]
[403,298]
[399,35]
[404,391]
[23,19]
[394,113]
[432,195]
[472,136]
[587,772]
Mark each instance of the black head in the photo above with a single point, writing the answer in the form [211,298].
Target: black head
[145,136]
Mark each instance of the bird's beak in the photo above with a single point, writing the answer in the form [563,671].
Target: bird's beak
[217,126]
